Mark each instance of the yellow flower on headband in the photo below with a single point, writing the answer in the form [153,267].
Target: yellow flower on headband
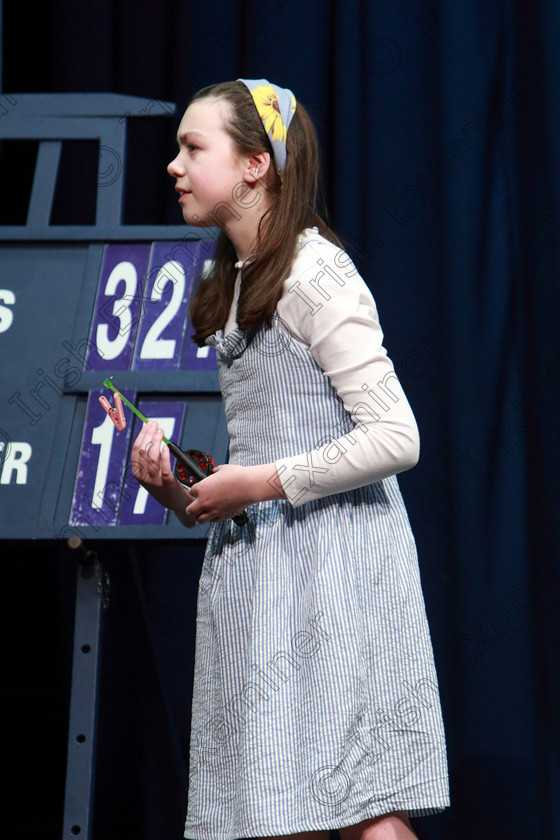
[275,106]
[266,100]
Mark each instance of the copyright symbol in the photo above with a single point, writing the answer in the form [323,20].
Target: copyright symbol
[4,445]
[383,56]
[546,225]
[441,505]
[330,785]
[274,6]
[272,341]
[110,166]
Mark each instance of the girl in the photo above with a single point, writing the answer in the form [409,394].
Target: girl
[316,701]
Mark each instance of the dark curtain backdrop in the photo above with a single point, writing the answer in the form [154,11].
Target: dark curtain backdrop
[439,124]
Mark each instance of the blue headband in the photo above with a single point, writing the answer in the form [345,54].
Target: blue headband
[276,107]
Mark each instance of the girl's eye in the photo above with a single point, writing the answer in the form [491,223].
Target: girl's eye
[191,148]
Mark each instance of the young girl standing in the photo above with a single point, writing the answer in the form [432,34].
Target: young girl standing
[316,702]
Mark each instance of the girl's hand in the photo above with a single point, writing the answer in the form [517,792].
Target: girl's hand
[230,489]
[151,467]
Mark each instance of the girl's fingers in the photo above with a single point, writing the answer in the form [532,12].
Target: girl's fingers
[146,452]
[165,461]
[137,461]
[150,454]
[145,434]
[194,508]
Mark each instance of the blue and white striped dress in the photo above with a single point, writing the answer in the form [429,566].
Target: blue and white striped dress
[316,701]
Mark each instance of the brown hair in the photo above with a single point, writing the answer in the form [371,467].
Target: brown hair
[292,209]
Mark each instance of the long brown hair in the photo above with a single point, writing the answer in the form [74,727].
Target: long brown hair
[292,208]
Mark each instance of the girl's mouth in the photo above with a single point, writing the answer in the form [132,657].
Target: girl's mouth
[182,193]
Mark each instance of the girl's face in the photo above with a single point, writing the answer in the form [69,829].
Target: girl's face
[207,167]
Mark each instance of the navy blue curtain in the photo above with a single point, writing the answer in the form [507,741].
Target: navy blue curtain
[439,127]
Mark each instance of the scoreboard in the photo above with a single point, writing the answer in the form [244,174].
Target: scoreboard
[79,304]
[70,317]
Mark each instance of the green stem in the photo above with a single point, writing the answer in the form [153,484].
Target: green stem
[109,384]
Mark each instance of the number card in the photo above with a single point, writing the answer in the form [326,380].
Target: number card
[195,357]
[118,306]
[138,507]
[140,319]
[162,328]
[100,479]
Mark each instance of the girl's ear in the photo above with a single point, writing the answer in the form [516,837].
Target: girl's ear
[258,165]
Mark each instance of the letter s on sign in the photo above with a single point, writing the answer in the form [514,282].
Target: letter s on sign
[6,315]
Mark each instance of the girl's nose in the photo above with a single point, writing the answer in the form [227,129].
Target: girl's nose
[174,169]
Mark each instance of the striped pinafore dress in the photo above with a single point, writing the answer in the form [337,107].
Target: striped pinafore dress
[316,700]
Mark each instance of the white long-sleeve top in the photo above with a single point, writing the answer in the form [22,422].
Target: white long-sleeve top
[328,308]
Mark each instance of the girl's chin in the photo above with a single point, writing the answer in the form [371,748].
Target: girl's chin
[194,220]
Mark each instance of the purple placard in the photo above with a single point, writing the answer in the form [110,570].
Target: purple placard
[138,507]
[117,307]
[101,469]
[194,357]
[166,292]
